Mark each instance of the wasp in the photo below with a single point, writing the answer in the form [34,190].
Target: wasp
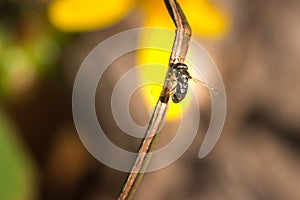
[179,78]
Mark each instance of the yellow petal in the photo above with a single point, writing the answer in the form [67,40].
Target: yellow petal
[204,18]
[85,15]
[157,15]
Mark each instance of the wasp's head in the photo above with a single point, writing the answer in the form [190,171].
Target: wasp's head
[181,71]
[180,66]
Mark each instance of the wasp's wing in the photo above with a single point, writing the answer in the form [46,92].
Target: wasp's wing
[207,90]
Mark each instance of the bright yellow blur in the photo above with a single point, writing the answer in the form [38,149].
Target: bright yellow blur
[85,15]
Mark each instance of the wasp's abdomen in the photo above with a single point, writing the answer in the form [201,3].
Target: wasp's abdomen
[180,92]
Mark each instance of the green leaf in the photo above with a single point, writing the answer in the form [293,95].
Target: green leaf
[16,169]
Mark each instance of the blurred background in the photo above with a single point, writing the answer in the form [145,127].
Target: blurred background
[256,46]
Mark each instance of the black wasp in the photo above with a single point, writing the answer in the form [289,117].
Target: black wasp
[180,77]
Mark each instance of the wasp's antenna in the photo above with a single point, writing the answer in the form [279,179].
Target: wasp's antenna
[207,90]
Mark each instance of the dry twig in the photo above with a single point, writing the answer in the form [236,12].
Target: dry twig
[179,50]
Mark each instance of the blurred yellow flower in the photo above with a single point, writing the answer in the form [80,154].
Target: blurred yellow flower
[85,15]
